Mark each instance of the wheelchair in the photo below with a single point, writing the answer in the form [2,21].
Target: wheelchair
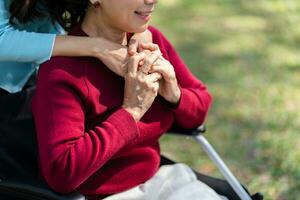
[19,178]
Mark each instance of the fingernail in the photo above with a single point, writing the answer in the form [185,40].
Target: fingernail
[131,53]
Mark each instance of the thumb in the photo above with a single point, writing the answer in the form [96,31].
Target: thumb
[132,46]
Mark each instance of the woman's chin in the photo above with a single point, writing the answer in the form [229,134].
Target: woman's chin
[139,29]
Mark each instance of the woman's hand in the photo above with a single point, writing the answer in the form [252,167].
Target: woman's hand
[156,63]
[168,86]
[140,88]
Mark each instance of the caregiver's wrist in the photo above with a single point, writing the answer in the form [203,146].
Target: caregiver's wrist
[98,48]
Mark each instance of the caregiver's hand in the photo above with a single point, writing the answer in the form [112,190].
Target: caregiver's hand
[115,56]
[136,40]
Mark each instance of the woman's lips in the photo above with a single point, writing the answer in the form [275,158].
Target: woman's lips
[145,16]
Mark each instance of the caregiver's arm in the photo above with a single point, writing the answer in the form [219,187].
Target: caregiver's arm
[22,46]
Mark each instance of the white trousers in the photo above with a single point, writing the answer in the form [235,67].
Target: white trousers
[171,182]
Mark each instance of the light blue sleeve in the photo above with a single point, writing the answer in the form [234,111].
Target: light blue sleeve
[22,46]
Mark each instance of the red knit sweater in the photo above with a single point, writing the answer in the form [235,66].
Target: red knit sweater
[86,141]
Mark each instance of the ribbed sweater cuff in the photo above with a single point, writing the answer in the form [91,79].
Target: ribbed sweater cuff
[125,124]
[184,102]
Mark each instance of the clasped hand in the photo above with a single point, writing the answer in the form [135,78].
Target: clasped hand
[154,62]
[148,74]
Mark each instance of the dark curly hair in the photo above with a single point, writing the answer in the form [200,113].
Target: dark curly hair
[23,11]
[66,12]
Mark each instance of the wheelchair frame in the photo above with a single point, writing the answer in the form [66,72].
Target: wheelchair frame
[37,190]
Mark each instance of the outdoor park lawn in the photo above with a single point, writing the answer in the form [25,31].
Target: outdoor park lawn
[248,54]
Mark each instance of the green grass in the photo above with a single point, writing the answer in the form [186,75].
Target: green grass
[248,54]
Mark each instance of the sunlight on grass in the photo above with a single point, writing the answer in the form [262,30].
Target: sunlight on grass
[234,45]
[247,53]
[245,23]
[282,55]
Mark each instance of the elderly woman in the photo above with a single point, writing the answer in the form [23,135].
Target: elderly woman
[98,132]
[29,35]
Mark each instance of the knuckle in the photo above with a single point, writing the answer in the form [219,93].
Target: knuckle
[155,88]
[146,84]
[132,41]
[149,85]
[140,79]
[156,46]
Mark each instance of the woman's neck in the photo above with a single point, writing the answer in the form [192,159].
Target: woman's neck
[94,25]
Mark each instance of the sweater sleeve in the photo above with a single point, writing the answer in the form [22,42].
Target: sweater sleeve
[22,46]
[195,100]
[69,151]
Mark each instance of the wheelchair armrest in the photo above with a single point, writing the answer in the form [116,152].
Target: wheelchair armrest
[34,191]
[187,132]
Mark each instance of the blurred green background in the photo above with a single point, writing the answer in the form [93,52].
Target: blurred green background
[248,54]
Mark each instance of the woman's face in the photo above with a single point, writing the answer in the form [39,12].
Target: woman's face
[127,15]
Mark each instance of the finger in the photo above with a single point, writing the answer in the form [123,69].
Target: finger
[154,77]
[132,46]
[150,46]
[141,63]
[161,62]
[155,87]
[134,62]
[162,70]
[147,51]
[149,61]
